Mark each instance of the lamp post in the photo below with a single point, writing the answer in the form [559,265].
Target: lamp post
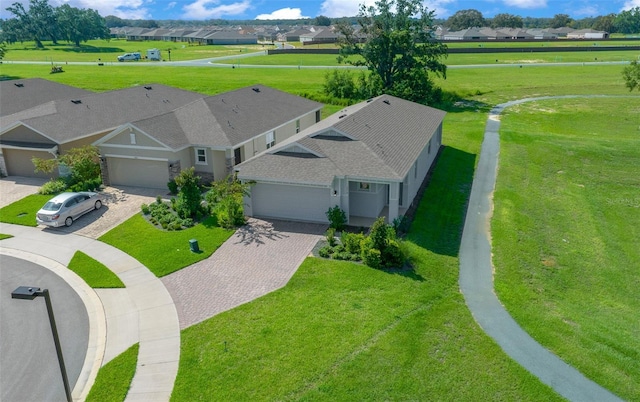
[30,293]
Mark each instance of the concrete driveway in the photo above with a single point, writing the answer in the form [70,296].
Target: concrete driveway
[120,204]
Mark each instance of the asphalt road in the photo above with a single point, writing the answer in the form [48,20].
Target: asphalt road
[29,369]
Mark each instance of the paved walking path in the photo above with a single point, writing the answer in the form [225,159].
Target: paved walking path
[476,280]
[258,259]
[142,312]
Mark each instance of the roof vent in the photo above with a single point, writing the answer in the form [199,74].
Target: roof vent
[386,101]
[256,89]
[18,84]
[148,88]
[76,101]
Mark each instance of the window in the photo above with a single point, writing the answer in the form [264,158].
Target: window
[317,116]
[271,139]
[429,149]
[201,156]
[297,126]
[364,186]
[132,136]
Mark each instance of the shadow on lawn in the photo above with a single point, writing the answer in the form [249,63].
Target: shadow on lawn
[439,217]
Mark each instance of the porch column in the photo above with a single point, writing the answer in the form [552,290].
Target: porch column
[394,201]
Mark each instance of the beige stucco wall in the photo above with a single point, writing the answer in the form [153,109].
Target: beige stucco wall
[219,165]
[143,140]
[25,134]
[80,143]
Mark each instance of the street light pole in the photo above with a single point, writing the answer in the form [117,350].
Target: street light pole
[30,293]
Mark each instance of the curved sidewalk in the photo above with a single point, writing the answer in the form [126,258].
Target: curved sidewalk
[142,312]
[476,280]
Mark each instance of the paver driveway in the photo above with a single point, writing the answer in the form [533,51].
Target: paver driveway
[259,258]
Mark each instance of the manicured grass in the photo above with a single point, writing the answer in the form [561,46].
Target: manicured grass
[114,379]
[164,252]
[5,236]
[108,51]
[565,232]
[415,339]
[23,212]
[93,272]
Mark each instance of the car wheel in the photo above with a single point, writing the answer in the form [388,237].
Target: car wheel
[68,221]
[98,204]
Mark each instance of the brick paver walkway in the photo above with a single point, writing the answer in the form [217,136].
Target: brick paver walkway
[259,258]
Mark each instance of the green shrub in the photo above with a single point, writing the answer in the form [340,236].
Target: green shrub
[392,255]
[337,218]
[54,186]
[158,199]
[343,255]
[187,222]
[330,236]
[372,258]
[356,257]
[325,252]
[145,209]
[173,187]
[338,248]
[352,242]
[401,224]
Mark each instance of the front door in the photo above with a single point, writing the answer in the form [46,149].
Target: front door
[237,156]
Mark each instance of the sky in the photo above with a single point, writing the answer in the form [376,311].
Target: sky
[292,9]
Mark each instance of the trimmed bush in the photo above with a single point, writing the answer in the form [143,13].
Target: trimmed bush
[145,209]
[337,218]
[325,252]
[330,236]
[392,255]
[53,187]
[352,242]
[173,187]
[372,258]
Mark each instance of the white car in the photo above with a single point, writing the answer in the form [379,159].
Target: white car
[65,208]
[130,56]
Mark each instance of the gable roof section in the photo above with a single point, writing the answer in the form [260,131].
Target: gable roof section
[383,137]
[228,119]
[19,95]
[69,119]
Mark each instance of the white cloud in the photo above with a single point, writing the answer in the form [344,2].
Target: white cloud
[440,7]
[171,5]
[205,9]
[629,4]
[587,11]
[127,9]
[343,8]
[528,4]
[283,14]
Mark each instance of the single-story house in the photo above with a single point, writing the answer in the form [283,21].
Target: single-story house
[230,38]
[52,128]
[587,34]
[368,159]
[212,134]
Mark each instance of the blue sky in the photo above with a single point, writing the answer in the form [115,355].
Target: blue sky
[289,9]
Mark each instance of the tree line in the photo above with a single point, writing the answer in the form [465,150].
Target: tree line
[41,22]
[626,22]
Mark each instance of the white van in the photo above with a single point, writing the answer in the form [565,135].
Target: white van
[129,56]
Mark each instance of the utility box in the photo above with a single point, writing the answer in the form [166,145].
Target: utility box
[154,54]
[193,245]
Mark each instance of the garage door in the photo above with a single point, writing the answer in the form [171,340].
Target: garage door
[290,202]
[138,172]
[18,162]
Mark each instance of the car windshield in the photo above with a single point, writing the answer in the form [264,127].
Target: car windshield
[52,206]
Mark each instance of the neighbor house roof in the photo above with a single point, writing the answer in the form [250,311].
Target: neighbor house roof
[65,120]
[19,95]
[376,139]
[228,119]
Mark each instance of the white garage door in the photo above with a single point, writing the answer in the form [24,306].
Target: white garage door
[138,172]
[290,202]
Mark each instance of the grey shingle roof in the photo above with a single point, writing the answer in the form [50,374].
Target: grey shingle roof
[68,119]
[227,119]
[388,134]
[19,95]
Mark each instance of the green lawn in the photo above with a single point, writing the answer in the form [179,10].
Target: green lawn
[114,379]
[164,252]
[23,212]
[415,338]
[566,234]
[93,272]
[5,236]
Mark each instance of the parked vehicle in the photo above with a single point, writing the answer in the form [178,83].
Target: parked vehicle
[65,208]
[154,54]
[129,57]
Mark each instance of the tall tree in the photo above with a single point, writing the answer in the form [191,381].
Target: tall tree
[39,22]
[506,21]
[396,43]
[628,21]
[561,20]
[631,75]
[464,19]
[323,21]
[80,25]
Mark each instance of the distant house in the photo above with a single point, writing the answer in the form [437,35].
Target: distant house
[368,159]
[469,34]
[587,34]
[230,38]
[319,36]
